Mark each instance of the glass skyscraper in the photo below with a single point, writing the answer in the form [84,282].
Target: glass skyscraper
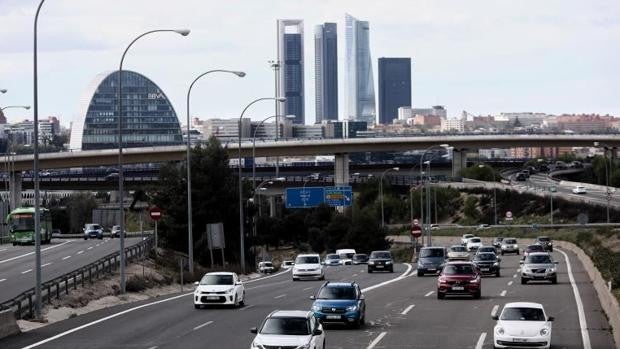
[394,87]
[360,89]
[291,58]
[326,72]
[148,116]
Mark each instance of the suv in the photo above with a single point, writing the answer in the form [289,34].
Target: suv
[281,328]
[265,267]
[380,260]
[92,230]
[487,263]
[497,242]
[308,266]
[332,259]
[538,266]
[545,242]
[340,302]
[360,258]
[509,245]
[431,260]
[116,231]
[459,278]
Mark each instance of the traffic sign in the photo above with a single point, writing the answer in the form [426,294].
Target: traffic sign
[155,213]
[304,197]
[338,196]
[416,230]
[508,215]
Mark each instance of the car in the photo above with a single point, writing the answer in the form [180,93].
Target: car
[222,288]
[266,267]
[289,329]
[474,243]
[484,249]
[579,189]
[466,238]
[538,266]
[431,260]
[532,248]
[332,259]
[340,302]
[116,231]
[497,242]
[509,245]
[545,242]
[380,260]
[56,232]
[434,226]
[308,266]
[487,263]
[287,264]
[522,324]
[92,230]
[346,255]
[360,258]
[460,278]
[483,227]
[45,173]
[458,252]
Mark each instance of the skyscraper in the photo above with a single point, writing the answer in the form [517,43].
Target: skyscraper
[291,58]
[360,89]
[394,87]
[326,71]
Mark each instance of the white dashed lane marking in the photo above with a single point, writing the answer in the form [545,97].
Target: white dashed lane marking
[67,257]
[376,340]
[26,271]
[280,296]
[480,342]
[510,283]
[203,325]
[46,264]
[495,309]
[408,309]
[2,280]
[428,294]
[80,252]
[503,294]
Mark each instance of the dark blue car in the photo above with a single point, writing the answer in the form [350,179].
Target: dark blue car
[340,302]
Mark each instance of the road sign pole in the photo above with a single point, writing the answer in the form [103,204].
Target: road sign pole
[156,238]
[551,213]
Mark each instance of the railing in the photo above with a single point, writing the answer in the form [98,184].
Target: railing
[23,304]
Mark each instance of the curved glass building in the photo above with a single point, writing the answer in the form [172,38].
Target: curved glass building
[148,116]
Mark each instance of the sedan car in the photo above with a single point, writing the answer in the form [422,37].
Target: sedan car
[457,252]
[308,266]
[360,258]
[545,242]
[466,238]
[289,329]
[223,288]
[538,266]
[431,260]
[380,260]
[459,278]
[522,324]
[341,302]
[487,263]
[509,245]
[474,243]
[92,230]
[332,259]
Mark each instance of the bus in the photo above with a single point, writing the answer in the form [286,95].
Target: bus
[21,225]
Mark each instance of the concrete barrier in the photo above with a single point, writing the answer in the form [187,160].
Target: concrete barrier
[8,325]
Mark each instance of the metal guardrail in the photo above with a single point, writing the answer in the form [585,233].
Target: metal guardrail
[23,304]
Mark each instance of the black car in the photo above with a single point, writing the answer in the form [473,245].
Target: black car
[380,260]
[487,263]
[360,258]
[497,242]
[545,242]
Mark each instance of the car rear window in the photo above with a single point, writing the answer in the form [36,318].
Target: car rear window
[307,260]
[458,269]
[523,314]
[431,252]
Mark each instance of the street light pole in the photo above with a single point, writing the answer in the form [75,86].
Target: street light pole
[607,172]
[183,32]
[381,193]
[190,247]
[423,187]
[254,147]
[494,192]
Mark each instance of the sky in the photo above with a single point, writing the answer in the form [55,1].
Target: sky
[485,57]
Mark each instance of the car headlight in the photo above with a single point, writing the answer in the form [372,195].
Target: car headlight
[316,307]
[257,346]
[388,262]
[499,330]
[544,331]
[474,281]
[230,290]
[551,270]
[496,264]
[371,262]
[352,308]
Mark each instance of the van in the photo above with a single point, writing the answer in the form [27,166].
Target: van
[346,255]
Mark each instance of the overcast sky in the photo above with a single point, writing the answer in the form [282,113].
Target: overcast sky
[486,57]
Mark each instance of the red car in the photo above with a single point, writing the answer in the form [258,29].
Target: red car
[532,248]
[459,278]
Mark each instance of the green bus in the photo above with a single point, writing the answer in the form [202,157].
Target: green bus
[21,225]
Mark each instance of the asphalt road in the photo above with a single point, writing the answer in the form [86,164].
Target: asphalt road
[540,182]
[402,314]
[61,256]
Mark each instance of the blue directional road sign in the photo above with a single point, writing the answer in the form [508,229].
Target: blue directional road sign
[338,196]
[304,197]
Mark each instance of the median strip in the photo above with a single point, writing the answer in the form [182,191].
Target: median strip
[376,340]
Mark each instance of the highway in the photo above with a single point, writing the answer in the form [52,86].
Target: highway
[402,312]
[61,256]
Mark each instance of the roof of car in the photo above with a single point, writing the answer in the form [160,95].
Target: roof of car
[339,284]
[433,248]
[458,262]
[308,255]
[380,251]
[539,254]
[543,237]
[220,273]
[290,313]
[523,305]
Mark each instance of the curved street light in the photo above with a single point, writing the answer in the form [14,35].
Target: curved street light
[3,90]
[183,32]
[254,144]
[422,216]
[607,172]
[381,192]
[190,247]
[27,107]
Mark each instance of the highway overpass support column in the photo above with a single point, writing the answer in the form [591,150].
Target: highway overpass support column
[459,161]
[341,172]
[15,191]
[272,206]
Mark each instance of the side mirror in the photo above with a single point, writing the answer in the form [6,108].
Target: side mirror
[238,283]
[495,317]
[253,330]
[556,262]
[312,297]
[317,332]
[550,318]
[196,283]
[520,262]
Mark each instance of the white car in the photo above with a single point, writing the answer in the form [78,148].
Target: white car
[580,189]
[308,266]
[458,252]
[346,255]
[466,238]
[266,267]
[289,329]
[522,324]
[219,288]
[474,243]
[287,264]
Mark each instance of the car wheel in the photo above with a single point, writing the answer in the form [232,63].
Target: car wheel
[477,294]
[242,301]
[502,253]
[551,249]
[440,295]
[517,252]
[554,280]
[85,238]
[497,274]
[523,281]
[391,269]
[197,306]
[369,271]
[295,279]
[15,244]
[236,302]
[420,272]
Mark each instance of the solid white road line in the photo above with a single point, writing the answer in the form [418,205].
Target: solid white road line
[376,340]
[80,252]
[46,264]
[246,307]
[510,283]
[154,347]
[267,277]
[480,342]
[203,325]
[428,294]
[67,257]
[4,249]
[2,280]
[400,277]
[29,253]
[280,296]
[585,336]
[495,309]
[408,309]
[26,271]
[503,294]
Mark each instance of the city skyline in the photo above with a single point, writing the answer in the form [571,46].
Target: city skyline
[480,57]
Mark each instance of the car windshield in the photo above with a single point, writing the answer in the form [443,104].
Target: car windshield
[458,249]
[485,257]
[333,256]
[286,326]
[539,259]
[92,226]
[360,256]
[458,269]
[510,241]
[431,252]
[385,255]
[217,280]
[474,240]
[307,260]
[22,221]
[523,314]
[499,239]
[544,239]
[337,293]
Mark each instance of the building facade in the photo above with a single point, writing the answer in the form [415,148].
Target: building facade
[394,87]
[326,72]
[360,88]
[291,58]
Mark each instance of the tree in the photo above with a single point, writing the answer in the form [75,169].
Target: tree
[80,207]
[471,208]
[365,233]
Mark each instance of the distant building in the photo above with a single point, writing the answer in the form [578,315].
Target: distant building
[226,129]
[360,88]
[394,87]
[23,132]
[584,123]
[326,72]
[309,131]
[345,129]
[405,113]
[291,58]
[456,125]
[427,121]
[437,110]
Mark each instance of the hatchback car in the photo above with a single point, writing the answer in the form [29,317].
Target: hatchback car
[539,266]
[222,288]
[431,260]
[116,231]
[266,267]
[341,302]
[509,245]
[522,324]
[466,238]
[92,230]
[545,242]
[497,242]
[474,243]
[360,258]
[332,259]
[289,329]
[459,278]
[308,266]
[380,260]
[458,252]
[487,263]
[580,189]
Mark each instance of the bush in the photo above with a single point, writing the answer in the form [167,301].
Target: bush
[136,284]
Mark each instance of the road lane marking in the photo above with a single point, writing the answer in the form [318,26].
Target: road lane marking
[376,340]
[267,277]
[2,280]
[400,277]
[4,249]
[29,253]
[26,271]
[408,309]
[46,264]
[154,347]
[514,276]
[280,296]
[246,307]
[67,257]
[494,311]
[307,288]
[510,283]
[519,270]
[503,294]
[428,294]
[90,248]
[480,342]
[203,325]
[80,252]
[97,245]
[585,336]
[354,275]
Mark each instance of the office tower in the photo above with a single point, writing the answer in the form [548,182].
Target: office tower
[326,72]
[291,58]
[394,87]
[360,90]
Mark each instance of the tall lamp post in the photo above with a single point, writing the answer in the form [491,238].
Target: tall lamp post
[241,237]
[190,247]
[494,192]
[381,193]
[15,106]
[254,145]
[183,32]
[607,172]
[446,146]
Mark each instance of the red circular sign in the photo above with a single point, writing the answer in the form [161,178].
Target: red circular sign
[155,213]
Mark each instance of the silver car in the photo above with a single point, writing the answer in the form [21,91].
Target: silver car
[509,245]
[539,266]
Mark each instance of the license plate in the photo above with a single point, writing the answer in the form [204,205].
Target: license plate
[379,266]
[213,298]
[458,288]
[431,269]
[331,317]
[484,269]
[520,340]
